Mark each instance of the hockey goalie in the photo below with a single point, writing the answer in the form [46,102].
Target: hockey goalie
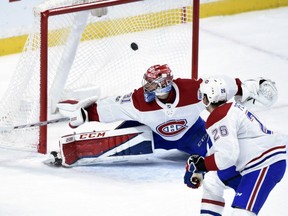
[164,113]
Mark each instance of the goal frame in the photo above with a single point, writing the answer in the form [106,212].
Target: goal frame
[44,17]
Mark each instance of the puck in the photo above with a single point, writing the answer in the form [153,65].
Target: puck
[134,46]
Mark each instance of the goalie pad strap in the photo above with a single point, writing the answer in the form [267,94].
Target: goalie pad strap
[99,146]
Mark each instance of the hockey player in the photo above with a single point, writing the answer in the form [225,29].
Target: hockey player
[239,138]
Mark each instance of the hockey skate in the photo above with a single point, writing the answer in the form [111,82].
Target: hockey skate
[54,159]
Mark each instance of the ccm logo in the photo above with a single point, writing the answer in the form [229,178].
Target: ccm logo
[92,135]
[172,128]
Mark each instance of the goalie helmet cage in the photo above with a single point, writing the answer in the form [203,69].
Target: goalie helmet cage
[80,46]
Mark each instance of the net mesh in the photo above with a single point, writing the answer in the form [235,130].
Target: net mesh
[90,51]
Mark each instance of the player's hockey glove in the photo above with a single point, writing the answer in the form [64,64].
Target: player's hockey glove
[195,170]
[75,110]
[261,90]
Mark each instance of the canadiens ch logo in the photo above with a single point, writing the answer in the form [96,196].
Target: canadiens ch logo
[172,127]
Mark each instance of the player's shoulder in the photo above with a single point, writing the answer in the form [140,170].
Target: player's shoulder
[187,91]
[218,114]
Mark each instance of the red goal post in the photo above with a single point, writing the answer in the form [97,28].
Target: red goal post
[157,19]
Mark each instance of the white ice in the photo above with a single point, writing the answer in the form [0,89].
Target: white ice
[245,45]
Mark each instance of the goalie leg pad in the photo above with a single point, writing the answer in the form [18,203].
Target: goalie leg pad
[104,146]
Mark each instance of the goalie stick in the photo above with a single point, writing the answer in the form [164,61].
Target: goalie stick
[36,124]
[70,107]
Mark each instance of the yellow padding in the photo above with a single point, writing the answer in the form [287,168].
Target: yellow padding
[155,20]
[229,7]
[12,45]
[110,28]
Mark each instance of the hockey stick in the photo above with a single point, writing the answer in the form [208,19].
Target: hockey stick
[36,124]
[65,106]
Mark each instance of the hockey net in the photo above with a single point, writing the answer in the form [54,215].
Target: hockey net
[79,48]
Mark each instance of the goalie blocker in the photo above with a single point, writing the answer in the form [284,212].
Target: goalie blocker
[95,147]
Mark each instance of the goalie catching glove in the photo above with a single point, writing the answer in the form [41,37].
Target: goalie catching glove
[75,110]
[195,170]
[261,90]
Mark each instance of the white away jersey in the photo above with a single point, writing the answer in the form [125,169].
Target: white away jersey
[239,138]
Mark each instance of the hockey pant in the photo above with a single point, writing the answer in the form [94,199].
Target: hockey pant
[97,147]
[195,140]
[251,190]
[255,187]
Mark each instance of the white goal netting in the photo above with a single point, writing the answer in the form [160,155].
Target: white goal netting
[90,52]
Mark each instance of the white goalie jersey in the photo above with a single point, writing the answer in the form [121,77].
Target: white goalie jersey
[169,120]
